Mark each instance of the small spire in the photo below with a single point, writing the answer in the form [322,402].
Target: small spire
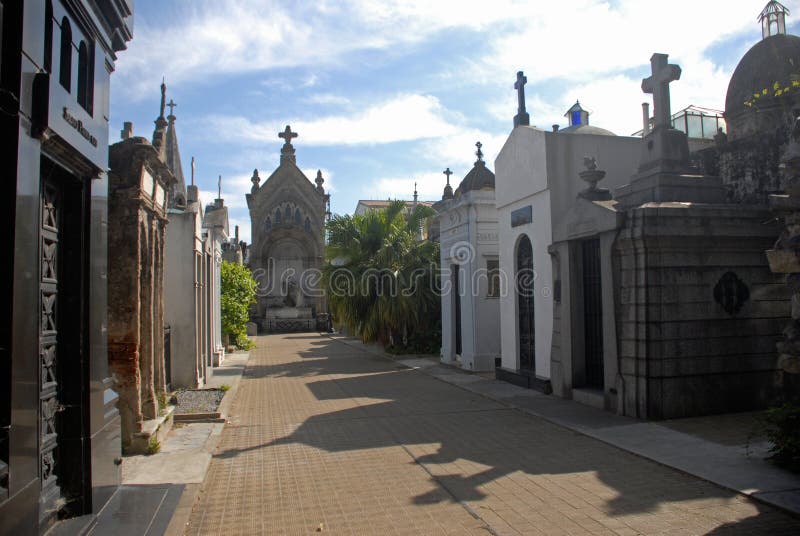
[163,97]
[479,153]
[415,193]
[192,171]
[319,180]
[219,187]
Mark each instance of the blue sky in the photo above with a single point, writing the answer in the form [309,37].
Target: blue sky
[386,93]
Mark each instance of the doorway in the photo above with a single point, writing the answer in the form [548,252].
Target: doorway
[525,305]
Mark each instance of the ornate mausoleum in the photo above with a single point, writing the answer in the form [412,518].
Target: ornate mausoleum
[287,215]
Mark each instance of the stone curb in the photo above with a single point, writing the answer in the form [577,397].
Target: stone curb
[758,496]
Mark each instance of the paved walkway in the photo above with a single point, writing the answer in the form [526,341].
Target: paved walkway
[327,437]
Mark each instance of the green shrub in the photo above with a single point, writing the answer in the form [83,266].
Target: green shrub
[782,428]
[237,292]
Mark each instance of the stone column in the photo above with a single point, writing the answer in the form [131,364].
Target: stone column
[160,382]
[149,403]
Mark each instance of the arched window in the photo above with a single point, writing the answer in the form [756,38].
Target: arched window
[277,216]
[48,36]
[298,219]
[65,58]
[307,225]
[288,214]
[83,76]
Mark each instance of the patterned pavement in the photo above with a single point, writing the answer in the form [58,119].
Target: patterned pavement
[326,438]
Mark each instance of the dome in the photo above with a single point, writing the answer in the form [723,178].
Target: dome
[586,129]
[478,178]
[771,65]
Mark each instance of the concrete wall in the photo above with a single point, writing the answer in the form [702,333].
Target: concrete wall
[180,304]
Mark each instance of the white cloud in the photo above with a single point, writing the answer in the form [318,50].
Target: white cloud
[457,151]
[404,117]
[429,187]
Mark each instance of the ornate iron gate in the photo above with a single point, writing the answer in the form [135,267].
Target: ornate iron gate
[49,406]
[592,313]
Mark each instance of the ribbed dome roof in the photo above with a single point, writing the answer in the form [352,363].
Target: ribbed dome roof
[587,129]
[478,178]
[773,59]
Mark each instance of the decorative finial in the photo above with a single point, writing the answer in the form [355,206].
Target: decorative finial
[448,173]
[219,187]
[163,97]
[415,193]
[479,153]
[192,171]
[522,117]
[319,180]
[172,106]
[256,180]
[592,176]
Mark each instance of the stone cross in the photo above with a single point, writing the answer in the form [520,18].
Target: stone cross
[172,106]
[287,135]
[658,84]
[448,173]
[522,117]
[479,153]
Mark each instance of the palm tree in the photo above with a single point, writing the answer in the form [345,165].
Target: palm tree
[381,276]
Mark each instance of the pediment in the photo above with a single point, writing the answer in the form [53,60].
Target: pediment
[587,218]
[287,182]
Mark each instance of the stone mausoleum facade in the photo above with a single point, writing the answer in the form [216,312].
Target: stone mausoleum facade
[288,214]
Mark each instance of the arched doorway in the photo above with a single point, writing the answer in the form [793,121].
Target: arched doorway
[525,305]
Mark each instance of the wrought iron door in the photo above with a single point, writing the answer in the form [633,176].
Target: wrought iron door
[525,302]
[592,313]
[49,406]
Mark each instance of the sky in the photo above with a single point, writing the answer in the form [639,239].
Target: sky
[388,93]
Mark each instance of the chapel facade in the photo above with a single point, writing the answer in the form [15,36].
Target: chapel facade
[288,214]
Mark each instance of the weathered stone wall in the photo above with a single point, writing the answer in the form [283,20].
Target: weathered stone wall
[681,352]
[748,166]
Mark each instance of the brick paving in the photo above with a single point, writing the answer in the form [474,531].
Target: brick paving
[327,438]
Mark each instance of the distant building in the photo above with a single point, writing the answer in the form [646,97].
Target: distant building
[288,214]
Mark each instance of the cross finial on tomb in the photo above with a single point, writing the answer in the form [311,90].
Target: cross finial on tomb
[163,96]
[172,106]
[522,117]
[658,84]
[448,173]
[287,135]
[479,153]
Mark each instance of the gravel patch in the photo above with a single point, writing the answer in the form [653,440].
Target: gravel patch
[198,400]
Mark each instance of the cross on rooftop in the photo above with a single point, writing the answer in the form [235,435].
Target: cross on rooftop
[658,84]
[448,173]
[172,106]
[522,117]
[479,153]
[287,135]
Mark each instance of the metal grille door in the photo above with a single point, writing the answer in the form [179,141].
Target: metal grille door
[592,313]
